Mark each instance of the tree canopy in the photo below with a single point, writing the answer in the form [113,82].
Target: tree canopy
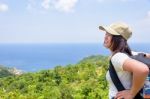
[84,80]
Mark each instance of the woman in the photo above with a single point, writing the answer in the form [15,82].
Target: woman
[131,73]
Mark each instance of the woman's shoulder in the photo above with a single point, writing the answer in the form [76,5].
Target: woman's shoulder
[119,57]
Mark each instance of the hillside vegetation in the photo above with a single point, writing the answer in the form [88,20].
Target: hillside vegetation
[84,80]
[8,71]
[5,72]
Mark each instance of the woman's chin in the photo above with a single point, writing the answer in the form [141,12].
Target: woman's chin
[105,45]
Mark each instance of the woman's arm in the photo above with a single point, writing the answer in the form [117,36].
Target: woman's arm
[140,72]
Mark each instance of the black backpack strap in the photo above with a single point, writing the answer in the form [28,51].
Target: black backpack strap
[115,78]
[117,81]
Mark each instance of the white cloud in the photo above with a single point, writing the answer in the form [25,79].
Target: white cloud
[46,4]
[65,5]
[146,21]
[148,14]
[31,5]
[3,7]
[127,0]
[141,29]
[115,0]
[59,5]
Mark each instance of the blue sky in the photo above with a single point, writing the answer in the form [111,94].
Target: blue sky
[70,21]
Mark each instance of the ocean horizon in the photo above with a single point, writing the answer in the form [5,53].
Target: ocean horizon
[35,57]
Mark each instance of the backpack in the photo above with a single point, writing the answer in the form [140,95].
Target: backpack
[142,58]
[144,93]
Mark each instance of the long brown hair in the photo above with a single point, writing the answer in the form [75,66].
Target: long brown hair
[119,44]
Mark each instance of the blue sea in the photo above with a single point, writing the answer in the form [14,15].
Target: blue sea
[35,57]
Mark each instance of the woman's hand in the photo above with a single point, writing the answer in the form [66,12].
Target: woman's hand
[125,94]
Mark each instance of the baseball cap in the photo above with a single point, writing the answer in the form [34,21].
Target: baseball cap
[118,28]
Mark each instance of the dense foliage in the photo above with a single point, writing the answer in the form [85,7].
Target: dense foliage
[84,80]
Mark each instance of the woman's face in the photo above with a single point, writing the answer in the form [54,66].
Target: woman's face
[107,40]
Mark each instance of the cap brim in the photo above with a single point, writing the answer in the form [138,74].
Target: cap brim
[108,29]
[102,28]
